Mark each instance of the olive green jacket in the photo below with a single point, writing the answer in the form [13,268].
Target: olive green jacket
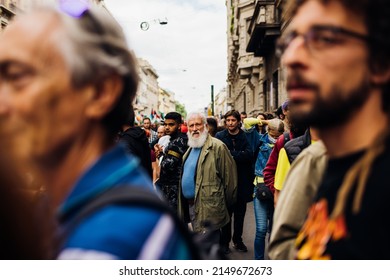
[215,186]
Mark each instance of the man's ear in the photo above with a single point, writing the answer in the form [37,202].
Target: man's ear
[104,97]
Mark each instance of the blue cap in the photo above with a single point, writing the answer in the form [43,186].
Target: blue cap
[285,105]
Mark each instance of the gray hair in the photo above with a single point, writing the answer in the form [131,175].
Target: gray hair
[94,48]
[193,115]
[276,124]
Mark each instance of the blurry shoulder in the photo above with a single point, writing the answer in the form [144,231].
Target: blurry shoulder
[316,149]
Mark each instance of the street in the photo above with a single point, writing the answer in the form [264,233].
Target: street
[248,236]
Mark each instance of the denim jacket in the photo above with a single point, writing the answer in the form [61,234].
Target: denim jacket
[264,151]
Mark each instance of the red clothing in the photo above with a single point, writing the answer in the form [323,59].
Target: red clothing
[270,168]
[153,155]
[184,128]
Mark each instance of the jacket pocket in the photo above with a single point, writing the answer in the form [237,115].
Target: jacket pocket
[213,203]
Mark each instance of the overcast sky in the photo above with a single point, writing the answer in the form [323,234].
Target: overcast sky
[189,53]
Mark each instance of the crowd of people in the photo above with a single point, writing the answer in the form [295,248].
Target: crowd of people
[316,170]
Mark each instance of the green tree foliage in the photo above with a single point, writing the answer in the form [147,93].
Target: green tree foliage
[181,109]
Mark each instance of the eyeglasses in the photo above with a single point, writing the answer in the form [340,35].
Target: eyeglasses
[319,38]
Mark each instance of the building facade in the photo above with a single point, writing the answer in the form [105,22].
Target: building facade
[148,101]
[255,78]
[8,8]
[220,103]
[166,102]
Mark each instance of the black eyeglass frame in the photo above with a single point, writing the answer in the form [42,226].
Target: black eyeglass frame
[284,42]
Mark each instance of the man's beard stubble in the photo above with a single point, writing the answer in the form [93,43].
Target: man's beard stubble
[335,110]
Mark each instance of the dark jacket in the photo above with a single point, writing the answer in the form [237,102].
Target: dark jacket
[171,164]
[242,153]
[295,146]
[171,167]
[136,143]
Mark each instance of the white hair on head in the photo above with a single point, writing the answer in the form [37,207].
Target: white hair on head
[197,142]
[95,49]
[193,115]
[276,124]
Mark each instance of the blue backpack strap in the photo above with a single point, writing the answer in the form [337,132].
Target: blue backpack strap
[134,197]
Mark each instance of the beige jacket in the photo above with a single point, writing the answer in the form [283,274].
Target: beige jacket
[299,190]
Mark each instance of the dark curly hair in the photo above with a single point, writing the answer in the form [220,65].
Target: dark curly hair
[233,113]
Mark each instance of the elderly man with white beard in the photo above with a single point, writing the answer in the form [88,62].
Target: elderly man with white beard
[209,179]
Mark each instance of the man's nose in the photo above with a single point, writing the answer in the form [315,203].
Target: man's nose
[295,53]
[4,102]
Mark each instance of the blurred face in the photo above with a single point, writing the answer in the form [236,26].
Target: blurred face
[327,64]
[197,132]
[147,124]
[160,131]
[232,124]
[171,127]
[39,108]
[274,133]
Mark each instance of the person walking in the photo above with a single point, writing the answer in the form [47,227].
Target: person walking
[209,179]
[264,206]
[239,147]
[171,158]
[136,142]
[147,126]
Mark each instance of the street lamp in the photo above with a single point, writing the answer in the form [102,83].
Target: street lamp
[145,24]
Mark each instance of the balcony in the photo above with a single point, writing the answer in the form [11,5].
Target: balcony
[263,29]
[6,13]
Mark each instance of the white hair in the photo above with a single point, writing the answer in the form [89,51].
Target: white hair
[193,115]
[199,141]
[276,124]
[94,48]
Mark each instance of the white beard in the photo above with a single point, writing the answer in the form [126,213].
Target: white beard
[199,141]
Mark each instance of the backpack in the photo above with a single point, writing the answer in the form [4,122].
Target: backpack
[201,245]
[287,137]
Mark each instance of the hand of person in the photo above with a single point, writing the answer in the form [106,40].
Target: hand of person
[158,150]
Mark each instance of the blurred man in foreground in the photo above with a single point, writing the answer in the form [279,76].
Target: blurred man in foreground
[67,82]
[338,77]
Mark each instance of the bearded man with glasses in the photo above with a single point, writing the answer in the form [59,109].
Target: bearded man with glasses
[338,74]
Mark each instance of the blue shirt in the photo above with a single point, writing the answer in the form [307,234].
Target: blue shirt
[188,179]
[118,231]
